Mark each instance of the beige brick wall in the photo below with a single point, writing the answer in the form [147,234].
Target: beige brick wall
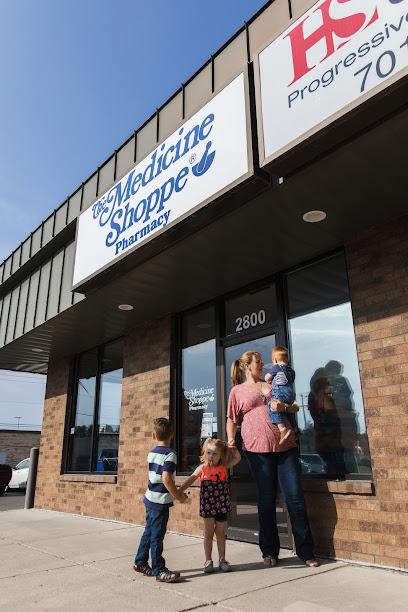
[18,444]
[146,392]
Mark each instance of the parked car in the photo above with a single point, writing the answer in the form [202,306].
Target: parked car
[5,476]
[107,460]
[315,462]
[20,475]
[305,467]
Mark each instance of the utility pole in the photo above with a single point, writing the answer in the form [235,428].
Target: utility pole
[18,422]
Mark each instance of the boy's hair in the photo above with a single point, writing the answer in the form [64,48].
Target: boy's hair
[220,445]
[162,428]
[281,353]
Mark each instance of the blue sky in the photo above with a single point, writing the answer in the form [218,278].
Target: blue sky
[78,77]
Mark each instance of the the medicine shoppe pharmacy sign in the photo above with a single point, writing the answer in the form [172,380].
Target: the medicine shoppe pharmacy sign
[204,158]
[333,56]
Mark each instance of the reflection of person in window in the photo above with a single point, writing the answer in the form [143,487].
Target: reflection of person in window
[342,395]
[327,424]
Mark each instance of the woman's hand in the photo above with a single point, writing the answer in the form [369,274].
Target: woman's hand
[277,406]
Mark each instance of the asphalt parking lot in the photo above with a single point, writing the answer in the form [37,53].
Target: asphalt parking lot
[12,500]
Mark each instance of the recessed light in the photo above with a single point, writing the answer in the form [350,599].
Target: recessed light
[314,216]
[37,350]
[125,307]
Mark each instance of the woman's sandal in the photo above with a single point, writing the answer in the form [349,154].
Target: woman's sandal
[270,561]
[208,567]
[312,563]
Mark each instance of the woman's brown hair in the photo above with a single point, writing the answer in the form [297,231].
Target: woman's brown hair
[238,366]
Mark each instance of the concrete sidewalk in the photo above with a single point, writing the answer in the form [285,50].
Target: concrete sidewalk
[55,561]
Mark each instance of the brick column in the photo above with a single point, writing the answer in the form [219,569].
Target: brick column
[378,274]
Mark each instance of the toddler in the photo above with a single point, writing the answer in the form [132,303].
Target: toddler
[282,377]
[214,496]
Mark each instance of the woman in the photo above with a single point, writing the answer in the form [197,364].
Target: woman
[268,461]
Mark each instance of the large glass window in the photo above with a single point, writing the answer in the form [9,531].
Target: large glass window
[198,386]
[94,430]
[324,356]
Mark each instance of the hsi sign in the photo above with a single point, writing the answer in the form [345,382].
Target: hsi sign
[201,159]
[330,57]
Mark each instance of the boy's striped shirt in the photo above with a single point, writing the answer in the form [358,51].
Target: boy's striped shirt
[161,459]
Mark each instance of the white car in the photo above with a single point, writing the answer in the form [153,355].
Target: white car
[20,475]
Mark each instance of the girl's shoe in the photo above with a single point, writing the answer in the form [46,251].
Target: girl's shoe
[224,566]
[208,567]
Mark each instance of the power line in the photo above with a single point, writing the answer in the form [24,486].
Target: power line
[13,402]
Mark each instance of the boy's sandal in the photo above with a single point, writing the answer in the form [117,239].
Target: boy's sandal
[146,570]
[208,567]
[312,563]
[224,566]
[270,561]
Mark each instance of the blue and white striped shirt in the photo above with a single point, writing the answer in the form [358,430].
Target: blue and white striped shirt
[161,459]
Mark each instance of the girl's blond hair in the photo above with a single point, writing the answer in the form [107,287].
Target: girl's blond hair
[220,445]
[238,366]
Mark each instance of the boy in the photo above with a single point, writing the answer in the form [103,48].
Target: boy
[282,377]
[158,499]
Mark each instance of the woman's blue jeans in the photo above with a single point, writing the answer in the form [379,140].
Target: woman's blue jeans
[267,470]
[152,539]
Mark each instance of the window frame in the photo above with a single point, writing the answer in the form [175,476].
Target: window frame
[73,406]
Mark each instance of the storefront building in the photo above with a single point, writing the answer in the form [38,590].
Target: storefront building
[262,205]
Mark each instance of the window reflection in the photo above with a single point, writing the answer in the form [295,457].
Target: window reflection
[328,388]
[98,369]
[199,398]
[109,408]
[82,442]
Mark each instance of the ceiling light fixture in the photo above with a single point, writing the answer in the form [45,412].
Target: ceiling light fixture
[125,307]
[314,216]
[37,350]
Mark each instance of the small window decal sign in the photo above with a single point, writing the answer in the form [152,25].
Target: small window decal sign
[334,54]
[202,158]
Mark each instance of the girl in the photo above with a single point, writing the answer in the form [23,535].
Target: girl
[214,496]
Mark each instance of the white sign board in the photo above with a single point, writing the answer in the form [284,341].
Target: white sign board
[208,154]
[329,58]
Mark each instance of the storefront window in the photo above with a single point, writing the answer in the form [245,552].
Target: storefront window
[94,433]
[324,356]
[199,398]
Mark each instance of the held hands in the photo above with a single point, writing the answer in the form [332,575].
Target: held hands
[231,445]
[181,496]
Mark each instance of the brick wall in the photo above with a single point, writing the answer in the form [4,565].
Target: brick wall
[374,528]
[146,393]
[18,444]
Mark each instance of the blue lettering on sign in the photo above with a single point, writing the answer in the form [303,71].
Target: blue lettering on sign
[119,212]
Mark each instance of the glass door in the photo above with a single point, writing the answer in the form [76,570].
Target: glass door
[243,522]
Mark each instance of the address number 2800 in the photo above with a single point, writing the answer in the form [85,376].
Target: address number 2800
[250,320]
